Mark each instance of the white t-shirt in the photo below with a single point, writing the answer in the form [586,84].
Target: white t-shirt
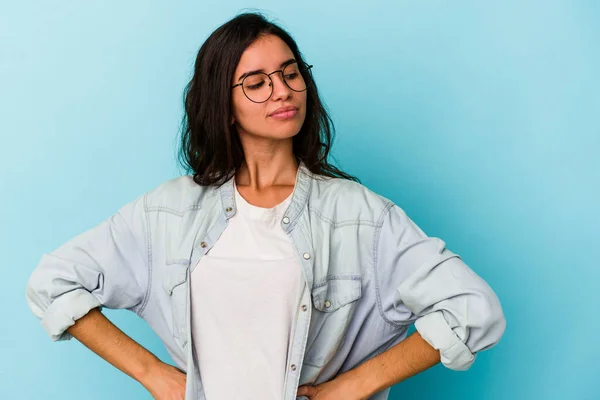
[245,292]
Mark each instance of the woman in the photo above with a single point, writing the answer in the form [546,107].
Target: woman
[268,273]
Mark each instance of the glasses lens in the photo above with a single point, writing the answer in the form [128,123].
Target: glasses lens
[293,77]
[257,87]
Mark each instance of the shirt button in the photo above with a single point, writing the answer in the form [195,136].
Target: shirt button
[286,220]
[228,209]
[306,256]
[327,304]
[293,367]
[304,308]
[203,245]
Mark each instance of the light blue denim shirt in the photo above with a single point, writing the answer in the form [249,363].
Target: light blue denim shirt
[369,273]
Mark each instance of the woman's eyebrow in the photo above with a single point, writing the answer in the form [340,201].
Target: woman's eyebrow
[283,64]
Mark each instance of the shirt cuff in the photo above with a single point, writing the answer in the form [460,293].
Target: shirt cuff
[435,330]
[65,310]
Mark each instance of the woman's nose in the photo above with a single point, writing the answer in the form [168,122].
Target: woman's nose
[280,88]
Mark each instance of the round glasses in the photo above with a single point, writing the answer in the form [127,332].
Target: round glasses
[258,86]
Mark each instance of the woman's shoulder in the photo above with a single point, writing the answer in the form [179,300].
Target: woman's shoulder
[347,199]
[178,195]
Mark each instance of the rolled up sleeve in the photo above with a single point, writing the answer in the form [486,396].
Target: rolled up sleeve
[106,266]
[421,281]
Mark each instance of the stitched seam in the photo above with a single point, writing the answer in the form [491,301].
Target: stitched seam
[337,277]
[149,244]
[308,242]
[173,211]
[296,246]
[343,223]
[142,254]
[376,237]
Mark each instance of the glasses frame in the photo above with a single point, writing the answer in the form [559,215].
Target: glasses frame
[301,65]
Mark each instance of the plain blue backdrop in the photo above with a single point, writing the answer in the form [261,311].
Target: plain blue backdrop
[479,118]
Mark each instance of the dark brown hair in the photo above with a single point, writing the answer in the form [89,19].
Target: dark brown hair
[210,147]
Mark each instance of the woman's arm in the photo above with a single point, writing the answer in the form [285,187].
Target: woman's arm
[407,358]
[101,336]
[411,356]
[419,279]
[106,266]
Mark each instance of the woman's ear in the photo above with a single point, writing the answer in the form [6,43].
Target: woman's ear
[232,120]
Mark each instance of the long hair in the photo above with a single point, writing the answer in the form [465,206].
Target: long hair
[210,147]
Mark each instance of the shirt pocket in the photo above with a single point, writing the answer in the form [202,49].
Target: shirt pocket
[175,284]
[334,302]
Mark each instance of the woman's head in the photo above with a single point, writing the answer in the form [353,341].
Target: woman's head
[261,92]
[230,95]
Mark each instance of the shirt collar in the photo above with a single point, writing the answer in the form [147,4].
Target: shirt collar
[293,211]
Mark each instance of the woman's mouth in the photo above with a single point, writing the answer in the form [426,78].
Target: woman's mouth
[284,113]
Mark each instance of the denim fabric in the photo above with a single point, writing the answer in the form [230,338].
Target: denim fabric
[369,273]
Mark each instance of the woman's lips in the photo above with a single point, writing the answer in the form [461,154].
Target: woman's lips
[283,115]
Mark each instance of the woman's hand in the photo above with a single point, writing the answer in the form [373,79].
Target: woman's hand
[344,386]
[165,382]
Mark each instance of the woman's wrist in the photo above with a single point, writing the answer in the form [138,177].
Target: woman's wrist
[151,367]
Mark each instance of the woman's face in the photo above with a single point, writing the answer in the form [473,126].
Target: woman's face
[267,53]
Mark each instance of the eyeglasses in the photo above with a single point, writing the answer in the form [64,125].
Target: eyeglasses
[258,87]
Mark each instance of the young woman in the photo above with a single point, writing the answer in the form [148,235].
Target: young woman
[268,273]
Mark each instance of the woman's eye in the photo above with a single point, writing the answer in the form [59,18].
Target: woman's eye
[255,86]
[291,76]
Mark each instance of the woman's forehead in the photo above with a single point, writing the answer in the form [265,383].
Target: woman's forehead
[266,52]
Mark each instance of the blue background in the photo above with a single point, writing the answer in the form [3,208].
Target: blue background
[479,118]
